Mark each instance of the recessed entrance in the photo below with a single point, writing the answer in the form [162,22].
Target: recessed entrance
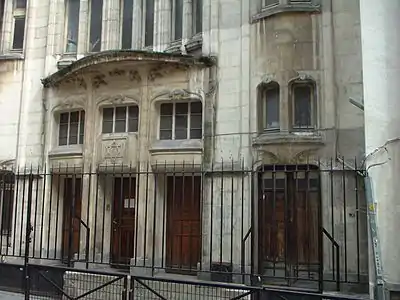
[288,222]
[123,220]
[71,217]
[183,223]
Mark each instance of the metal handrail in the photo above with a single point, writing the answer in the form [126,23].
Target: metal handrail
[336,245]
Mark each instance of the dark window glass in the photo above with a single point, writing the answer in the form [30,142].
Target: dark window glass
[108,120]
[302,106]
[73,128]
[133,118]
[196,120]
[198,16]
[63,130]
[19,33]
[96,18]
[149,23]
[82,127]
[20,3]
[166,114]
[272,108]
[6,198]
[120,119]
[178,15]
[127,18]
[72,26]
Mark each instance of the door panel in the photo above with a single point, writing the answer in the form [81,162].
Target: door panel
[183,222]
[123,220]
[71,216]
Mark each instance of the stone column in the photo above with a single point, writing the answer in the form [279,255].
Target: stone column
[187,20]
[162,37]
[381,76]
[137,25]
[83,28]
[111,25]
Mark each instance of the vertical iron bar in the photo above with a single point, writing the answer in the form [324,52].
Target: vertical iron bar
[3,188]
[211,212]
[193,202]
[183,177]
[36,210]
[164,218]
[28,229]
[42,216]
[89,193]
[22,211]
[137,203]
[96,210]
[49,214]
[273,234]
[332,215]
[232,230]
[16,212]
[357,220]
[344,219]
[221,212]
[252,222]
[103,224]
[154,222]
[71,220]
[320,234]
[121,207]
[243,244]
[62,218]
[145,216]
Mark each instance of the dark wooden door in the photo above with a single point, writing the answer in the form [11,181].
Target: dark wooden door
[288,223]
[71,216]
[123,220]
[183,223]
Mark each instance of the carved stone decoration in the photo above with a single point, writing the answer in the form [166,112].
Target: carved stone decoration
[98,80]
[113,151]
[308,156]
[179,95]
[302,76]
[134,76]
[116,72]
[69,103]
[164,69]
[267,78]
[76,80]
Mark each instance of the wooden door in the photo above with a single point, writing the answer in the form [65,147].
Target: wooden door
[288,223]
[183,223]
[123,220]
[71,216]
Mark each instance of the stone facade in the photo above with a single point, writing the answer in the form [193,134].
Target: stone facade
[243,46]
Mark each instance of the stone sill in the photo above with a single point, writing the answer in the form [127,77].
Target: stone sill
[66,60]
[62,151]
[12,56]
[274,138]
[191,146]
[286,8]
[194,43]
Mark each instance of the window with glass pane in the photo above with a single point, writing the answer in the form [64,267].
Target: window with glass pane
[166,117]
[271,98]
[303,97]
[196,120]
[19,33]
[72,26]
[177,18]
[20,4]
[120,119]
[149,23]
[96,20]
[71,128]
[180,121]
[197,15]
[127,19]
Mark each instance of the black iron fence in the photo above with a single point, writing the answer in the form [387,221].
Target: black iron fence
[293,225]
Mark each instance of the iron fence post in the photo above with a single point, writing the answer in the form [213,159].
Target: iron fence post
[28,230]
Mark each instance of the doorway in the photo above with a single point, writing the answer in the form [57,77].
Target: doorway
[288,222]
[123,221]
[71,217]
[183,238]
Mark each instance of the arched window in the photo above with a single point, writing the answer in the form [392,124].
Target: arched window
[303,105]
[71,128]
[268,94]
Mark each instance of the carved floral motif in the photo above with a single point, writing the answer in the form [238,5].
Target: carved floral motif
[164,69]
[113,150]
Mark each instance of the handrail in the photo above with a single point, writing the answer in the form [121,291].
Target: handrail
[336,245]
[244,251]
[87,240]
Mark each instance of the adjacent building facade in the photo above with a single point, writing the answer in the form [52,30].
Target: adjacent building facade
[239,108]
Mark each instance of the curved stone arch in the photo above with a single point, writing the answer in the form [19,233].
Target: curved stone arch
[303,77]
[267,82]
[73,102]
[115,100]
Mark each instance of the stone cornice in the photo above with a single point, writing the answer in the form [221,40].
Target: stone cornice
[124,56]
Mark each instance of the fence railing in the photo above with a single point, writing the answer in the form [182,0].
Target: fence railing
[298,225]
